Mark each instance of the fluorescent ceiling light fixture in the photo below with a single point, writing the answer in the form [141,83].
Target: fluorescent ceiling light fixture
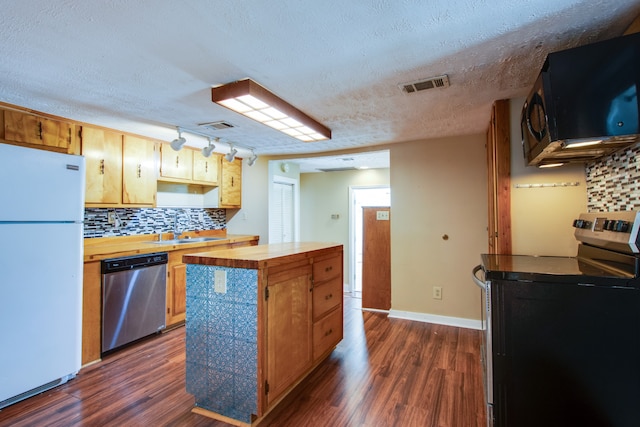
[581,143]
[206,151]
[179,142]
[231,154]
[254,101]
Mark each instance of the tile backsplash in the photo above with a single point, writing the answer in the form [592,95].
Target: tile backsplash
[132,221]
[613,182]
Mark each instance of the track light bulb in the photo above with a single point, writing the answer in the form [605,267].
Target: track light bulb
[206,151]
[177,143]
[231,154]
[252,159]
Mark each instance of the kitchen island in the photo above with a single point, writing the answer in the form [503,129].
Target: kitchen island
[259,320]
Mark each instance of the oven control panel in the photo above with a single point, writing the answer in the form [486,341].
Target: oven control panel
[611,230]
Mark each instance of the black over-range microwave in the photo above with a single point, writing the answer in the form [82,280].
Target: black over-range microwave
[584,104]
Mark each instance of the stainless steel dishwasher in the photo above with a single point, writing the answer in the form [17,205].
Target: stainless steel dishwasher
[134,297]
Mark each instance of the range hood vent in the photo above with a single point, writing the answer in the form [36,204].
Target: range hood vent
[219,125]
[424,84]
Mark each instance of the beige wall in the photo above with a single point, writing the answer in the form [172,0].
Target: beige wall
[541,218]
[324,194]
[438,187]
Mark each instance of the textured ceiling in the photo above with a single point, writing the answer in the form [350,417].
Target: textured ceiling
[147,66]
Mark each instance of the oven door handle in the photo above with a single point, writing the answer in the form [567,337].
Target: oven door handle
[477,281]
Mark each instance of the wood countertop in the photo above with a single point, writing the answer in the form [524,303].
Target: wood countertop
[97,249]
[261,256]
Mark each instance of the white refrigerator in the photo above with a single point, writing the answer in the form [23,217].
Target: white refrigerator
[41,250]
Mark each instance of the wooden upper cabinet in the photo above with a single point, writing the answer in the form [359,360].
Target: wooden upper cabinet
[103,153]
[176,165]
[231,184]
[206,169]
[139,172]
[27,128]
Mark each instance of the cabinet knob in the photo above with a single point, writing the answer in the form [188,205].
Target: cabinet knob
[328,297]
[328,269]
[329,332]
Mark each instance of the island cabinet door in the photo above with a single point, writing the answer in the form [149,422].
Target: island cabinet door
[289,328]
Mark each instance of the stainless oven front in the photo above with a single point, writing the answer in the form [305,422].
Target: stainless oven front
[486,351]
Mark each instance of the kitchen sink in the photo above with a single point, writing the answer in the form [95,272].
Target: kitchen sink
[186,240]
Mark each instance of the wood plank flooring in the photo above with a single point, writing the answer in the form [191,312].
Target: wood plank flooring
[386,372]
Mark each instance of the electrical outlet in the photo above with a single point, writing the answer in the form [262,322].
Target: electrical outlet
[111,217]
[382,215]
[220,281]
[437,292]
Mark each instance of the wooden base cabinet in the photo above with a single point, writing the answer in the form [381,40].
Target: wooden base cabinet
[261,318]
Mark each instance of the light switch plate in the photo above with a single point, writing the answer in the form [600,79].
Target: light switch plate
[220,281]
[382,215]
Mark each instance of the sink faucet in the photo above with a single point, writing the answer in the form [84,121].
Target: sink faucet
[177,231]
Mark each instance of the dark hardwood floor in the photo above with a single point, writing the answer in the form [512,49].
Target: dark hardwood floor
[386,372]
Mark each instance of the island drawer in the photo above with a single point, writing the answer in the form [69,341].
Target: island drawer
[326,296]
[327,268]
[327,332]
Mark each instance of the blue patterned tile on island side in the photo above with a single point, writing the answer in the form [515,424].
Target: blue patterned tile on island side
[245,390]
[199,280]
[245,360]
[245,326]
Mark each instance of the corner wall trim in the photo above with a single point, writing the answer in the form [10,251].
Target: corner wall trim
[439,320]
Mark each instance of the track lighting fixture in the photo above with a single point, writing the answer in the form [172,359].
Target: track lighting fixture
[231,154]
[179,142]
[252,159]
[206,151]
[254,101]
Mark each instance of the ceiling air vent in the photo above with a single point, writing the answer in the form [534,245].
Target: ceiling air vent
[424,84]
[217,125]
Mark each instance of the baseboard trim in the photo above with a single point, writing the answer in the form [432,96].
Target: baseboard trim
[459,322]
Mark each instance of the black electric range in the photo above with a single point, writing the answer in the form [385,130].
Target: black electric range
[562,334]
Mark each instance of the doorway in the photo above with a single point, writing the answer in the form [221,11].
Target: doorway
[283,210]
[361,197]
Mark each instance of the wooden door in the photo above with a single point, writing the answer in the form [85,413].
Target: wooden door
[27,128]
[57,134]
[103,153]
[289,329]
[176,164]
[139,178]
[177,295]
[376,258]
[231,188]
[205,169]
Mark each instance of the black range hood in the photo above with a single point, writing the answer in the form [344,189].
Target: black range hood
[584,104]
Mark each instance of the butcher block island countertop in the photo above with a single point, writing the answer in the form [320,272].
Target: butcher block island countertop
[261,256]
[259,320]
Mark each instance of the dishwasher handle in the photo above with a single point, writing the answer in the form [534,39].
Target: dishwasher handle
[133,262]
[477,281]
